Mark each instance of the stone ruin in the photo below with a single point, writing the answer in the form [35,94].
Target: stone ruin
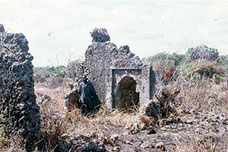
[119,76]
[203,52]
[20,115]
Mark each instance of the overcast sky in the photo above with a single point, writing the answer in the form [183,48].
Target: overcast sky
[58,30]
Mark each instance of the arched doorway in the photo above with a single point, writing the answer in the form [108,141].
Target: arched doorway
[126,95]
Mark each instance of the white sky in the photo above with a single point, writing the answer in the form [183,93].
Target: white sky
[147,27]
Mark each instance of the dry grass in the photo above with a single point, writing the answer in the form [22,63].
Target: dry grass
[100,124]
[190,142]
[13,144]
[57,98]
[80,124]
[58,123]
[205,96]
[53,128]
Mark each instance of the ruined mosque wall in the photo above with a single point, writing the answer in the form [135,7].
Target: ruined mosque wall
[102,58]
[18,109]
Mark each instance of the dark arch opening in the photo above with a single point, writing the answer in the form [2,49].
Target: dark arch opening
[127,97]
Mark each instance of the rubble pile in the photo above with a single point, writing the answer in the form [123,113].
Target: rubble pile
[18,109]
[72,100]
[91,146]
[163,104]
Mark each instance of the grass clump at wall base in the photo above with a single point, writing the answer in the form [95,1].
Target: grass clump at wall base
[3,141]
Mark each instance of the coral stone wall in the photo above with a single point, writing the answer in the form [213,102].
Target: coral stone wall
[18,108]
[102,56]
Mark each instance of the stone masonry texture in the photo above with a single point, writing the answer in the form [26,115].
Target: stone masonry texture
[106,64]
[20,115]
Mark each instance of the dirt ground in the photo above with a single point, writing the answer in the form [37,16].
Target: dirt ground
[200,128]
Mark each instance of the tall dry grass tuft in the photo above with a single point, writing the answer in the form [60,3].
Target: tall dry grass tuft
[53,128]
